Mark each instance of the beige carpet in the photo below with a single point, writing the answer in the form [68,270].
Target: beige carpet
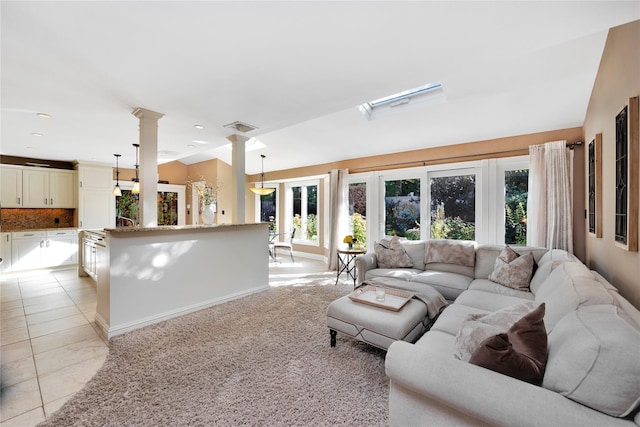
[263,360]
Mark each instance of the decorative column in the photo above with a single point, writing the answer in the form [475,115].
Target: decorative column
[238,181]
[148,213]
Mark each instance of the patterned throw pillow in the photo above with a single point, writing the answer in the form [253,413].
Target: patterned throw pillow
[478,327]
[513,270]
[391,254]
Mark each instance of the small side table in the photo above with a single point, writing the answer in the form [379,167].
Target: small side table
[347,263]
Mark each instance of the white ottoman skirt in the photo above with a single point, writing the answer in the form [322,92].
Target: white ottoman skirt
[376,326]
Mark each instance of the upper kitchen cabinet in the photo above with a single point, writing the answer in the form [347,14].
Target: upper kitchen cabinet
[11,186]
[96,203]
[46,188]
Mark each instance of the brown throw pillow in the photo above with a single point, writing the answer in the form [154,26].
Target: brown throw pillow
[520,353]
[513,270]
[391,254]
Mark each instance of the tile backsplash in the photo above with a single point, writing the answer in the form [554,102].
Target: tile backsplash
[17,219]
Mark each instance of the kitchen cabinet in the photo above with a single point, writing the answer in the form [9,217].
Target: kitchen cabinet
[61,248]
[96,203]
[90,242]
[11,186]
[43,248]
[27,250]
[5,252]
[42,188]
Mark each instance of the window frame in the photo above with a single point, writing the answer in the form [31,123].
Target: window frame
[288,209]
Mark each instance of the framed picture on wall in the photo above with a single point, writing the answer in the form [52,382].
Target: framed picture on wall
[626,185]
[594,170]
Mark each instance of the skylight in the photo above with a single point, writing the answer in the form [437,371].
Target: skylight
[431,91]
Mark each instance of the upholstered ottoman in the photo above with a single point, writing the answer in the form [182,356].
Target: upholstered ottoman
[376,326]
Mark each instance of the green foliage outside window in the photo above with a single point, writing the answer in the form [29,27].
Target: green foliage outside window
[359,230]
[443,227]
[312,226]
[515,207]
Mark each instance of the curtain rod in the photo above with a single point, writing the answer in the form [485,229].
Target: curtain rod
[520,151]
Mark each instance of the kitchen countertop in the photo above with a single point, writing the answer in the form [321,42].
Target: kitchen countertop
[38,229]
[179,227]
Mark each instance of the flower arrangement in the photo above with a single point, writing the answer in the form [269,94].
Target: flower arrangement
[207,193]
[349,240]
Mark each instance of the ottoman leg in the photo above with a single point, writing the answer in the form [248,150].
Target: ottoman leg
[333,334]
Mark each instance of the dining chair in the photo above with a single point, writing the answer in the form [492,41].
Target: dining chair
[287,245]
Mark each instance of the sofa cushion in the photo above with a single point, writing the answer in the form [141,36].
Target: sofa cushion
[487,285]
[520,353]
[445,251]
[566,289]
[478,327]
[512,270]
[391,254]
[452,317]
[487,301]
[547,264]
[397,273]
[593,359]
[450,285]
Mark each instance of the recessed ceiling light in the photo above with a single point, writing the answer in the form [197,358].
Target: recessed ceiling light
[198,141]
[36,134]
[198,126]
[29,148]
[191,146]
[43,115]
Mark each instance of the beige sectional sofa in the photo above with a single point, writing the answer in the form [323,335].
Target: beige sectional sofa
[592,372]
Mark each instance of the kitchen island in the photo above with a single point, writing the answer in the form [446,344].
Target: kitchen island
[147,275]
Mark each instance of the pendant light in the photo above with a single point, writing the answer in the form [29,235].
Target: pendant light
[262,190]
[116,190]
[136,180]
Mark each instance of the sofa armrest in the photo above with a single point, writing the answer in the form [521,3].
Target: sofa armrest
[363,264]
[482,394]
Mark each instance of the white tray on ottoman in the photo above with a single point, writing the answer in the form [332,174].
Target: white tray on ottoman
[374,325]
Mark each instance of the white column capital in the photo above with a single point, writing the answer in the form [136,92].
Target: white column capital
[143,113]
[235,138]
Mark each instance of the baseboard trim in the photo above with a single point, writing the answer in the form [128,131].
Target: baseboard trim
[112,331]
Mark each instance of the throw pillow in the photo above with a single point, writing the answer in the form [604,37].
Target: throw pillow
[512,270]
[446,251]
[391,254]
[520,353]
[478,327]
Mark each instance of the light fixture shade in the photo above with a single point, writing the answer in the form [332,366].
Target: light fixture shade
[262,191]
[116,190]
[136,187]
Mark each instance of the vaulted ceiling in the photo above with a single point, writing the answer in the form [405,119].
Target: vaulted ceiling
[296,70]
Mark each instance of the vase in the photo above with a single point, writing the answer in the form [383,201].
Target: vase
[208,213]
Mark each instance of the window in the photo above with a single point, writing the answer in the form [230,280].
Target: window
[516,190]
[453,207]
[268,211]
[402,208]
[358,212]
[302,210]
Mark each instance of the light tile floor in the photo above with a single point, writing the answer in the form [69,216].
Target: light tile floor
[49,342]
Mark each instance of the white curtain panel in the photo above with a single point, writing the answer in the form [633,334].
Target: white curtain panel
[550,199]
[338,213]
